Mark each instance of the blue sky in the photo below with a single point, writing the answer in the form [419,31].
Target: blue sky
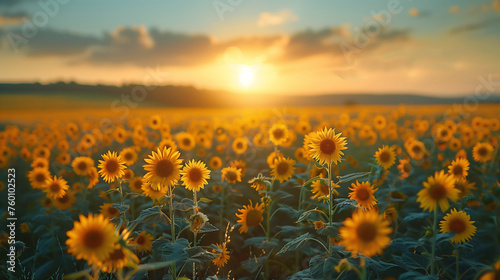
[433,47]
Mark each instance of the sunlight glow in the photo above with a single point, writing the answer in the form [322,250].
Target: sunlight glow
[246,75]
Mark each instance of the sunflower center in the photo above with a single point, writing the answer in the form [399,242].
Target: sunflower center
[40,178]
[324,189]
[117,254]
[231,176]
[111,166]
[437,191]
[407,167]
[128,156]
[186,141]
[384,157]
[457,225]
[239,145]
[54,187]
[482,151]
[278,133]
[140,240]
[63,199]
[138,184]
[366,231]
[362,194]
[112,211]
[93,239]
[282,168]
[416,149]
[164,168]
[327,146]
[457,170]
[195,175]
[254,217]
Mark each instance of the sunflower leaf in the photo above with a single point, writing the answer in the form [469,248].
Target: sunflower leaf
[297,243]
[352,176]
[151,215]
[312,180]
[121,208]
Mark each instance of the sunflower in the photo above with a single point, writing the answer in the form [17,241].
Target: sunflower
[118,258]
[55,188]
[482,152]
[318,224]
[363,194]
[167,143]
[258,185]
[416,149]
[108,211]
[155,193]
[366,232]
[326,146]
[42,152]
[155,122]
[250,216]
[186,141]
[386,156]
[404,168]
[272,157]
[231,174]
[142,242]
[239,164]
[460,223]
[82,165]
[92,238]
[465,187]
[301,155]
[38,176]
[93,177]
[40,162]
[135,184]
[163,168]
[129,156]
[458,168]
[320,190]
[195,175]
[222,255]
[492,274]
[283,169]
[215,162]
[278,133]
[240,145]
[65,202]
[437,190]
[112,167]
[379,122]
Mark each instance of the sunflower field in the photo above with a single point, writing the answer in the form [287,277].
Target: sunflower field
[403,192]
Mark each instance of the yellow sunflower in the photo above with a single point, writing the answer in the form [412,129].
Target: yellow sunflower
[167,143]
[320,190]
[240,145]
[222,255]
[464,187]
[386,156]
[459,223]
[82,165]
[417,150]
[129,156]
[108,211]
[55,188]
[318,224]
[142,242]
[164,167]
[40,162]
[404,168]
[135,184]
[437,190]
[231,174]
[38,176]
[482,152]
[92,238]
[366,232]
[326,146]
[112,167]
[459,168]
[195,175]
[215,162]
[186,141]
[155,193]
[363,194]
[93,177]
[278,133]
[250,216]
[155,122]
[272,157]
[283,169]
[65,202]
[118,258]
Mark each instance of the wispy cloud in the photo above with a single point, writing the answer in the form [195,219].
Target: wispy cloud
[471,27]
[279,18]
[12,18]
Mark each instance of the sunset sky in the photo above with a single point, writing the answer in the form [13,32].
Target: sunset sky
[280,47]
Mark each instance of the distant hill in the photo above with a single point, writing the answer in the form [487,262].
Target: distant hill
[77,95]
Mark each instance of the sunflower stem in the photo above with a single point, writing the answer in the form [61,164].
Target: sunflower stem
[457,271]
[371,170]
[363,268]
[330,208]
[433,252]
[172,226]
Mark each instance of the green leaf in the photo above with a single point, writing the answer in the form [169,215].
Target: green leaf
[310,181]
[165,250]
[199,255]
[261,243]
[297,243]
[151,215]
[352,176]
[254,264]
[205,200]
[121,208]
[108,192]
[305,216]
[330,231]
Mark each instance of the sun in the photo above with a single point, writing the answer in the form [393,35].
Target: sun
[246,75]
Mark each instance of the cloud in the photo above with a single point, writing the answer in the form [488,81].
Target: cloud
[279,18]
[465,28]
[10,18]
[453,9]
[48,42]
